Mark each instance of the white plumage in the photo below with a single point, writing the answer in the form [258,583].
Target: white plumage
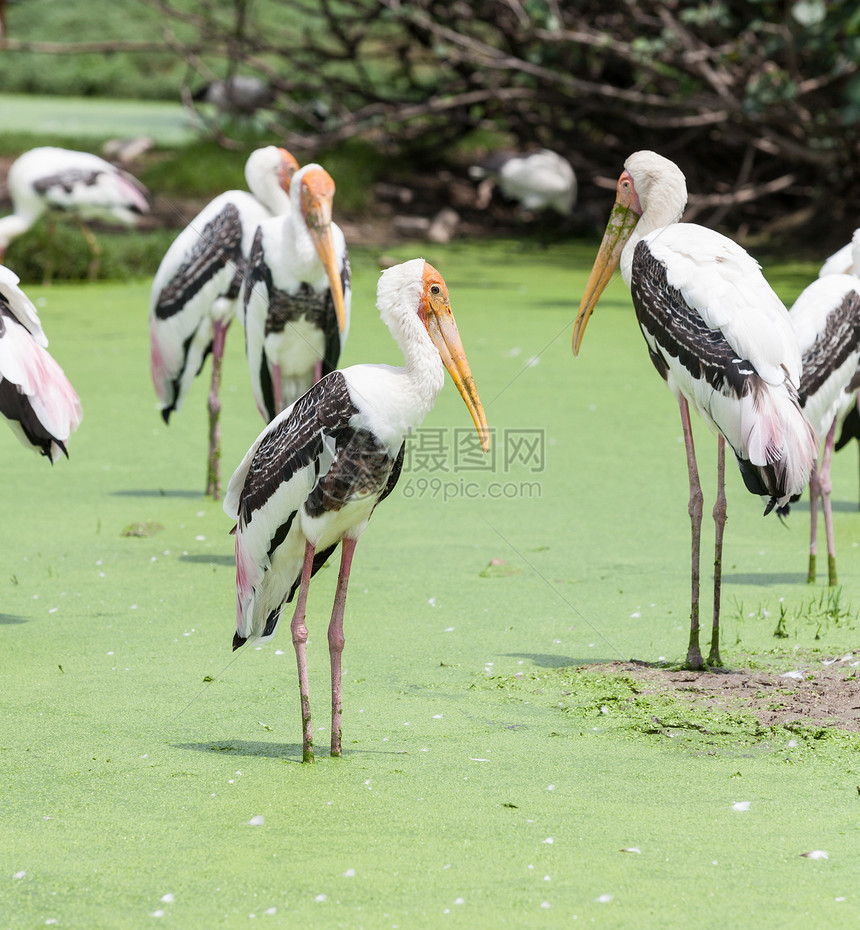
[718,335]
[826,320]
[315,474]
[297,295]
[542,180]
[196,291]
[36,398]
[842,261]
[76,183]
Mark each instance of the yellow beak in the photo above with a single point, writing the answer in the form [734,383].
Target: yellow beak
[621,224]
[442,328]
[325,248]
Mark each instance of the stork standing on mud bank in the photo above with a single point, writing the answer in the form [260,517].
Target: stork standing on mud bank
[720,338]
[196,290]
[315,474]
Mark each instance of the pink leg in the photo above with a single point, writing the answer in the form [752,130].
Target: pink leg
[213,476]
[300,638]
[336,641]
[277,389]
[318,371]
[825,488]
[720,525]
[694,655]
[814,494]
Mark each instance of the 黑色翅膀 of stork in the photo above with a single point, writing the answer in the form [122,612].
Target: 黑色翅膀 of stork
[315,474]
[826,320]
[296,295]
[720,338]
[36,397]
[78,184]
[845,261]
[196,291]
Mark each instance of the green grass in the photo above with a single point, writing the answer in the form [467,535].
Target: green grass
[135,748]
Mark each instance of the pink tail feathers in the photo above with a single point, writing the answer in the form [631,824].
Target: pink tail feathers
[780,440]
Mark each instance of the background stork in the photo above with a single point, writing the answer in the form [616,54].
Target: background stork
[826,319]
[720,338]
[77,183]
[196,290]
[36,397]
[315,474]
[296,295]
[539,181]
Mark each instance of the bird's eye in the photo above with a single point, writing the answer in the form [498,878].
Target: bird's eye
[435,289]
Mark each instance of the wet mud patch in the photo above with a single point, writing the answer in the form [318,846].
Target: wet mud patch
[812,692]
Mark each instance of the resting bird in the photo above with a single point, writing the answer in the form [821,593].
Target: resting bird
[315,474]
[841,261]
[826,319]
[721,340]
[297,295]
[77,183]
[195,294]
[539,181]
[35,396]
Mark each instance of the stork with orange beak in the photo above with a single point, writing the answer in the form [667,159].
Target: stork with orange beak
[296,295]
[317,471]
[721,340]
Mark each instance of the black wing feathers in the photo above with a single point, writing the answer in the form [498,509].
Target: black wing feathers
[296,441]
[680,331]
[832,348]
[219,244]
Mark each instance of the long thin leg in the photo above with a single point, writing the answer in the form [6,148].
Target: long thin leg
[814,494]
[300,638]
[719,529]
[336,640]
[213,471]
[825,488]
[694,655]
[95,250]
[318,367]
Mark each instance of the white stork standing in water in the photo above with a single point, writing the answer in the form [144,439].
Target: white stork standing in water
[826,319]
[35,395]
[297,295]
[719,337]
[317,471]
[80,184]
[196,290]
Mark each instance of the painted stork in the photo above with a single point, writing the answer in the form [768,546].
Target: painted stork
[78,183]
[35,396]
[196,290]
[539,181]
[317,471]
[719,337]
[844,262]
[826,319]
[296,295]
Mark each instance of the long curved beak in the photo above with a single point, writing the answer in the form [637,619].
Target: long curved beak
[621,224]
[442,328]
[324,242]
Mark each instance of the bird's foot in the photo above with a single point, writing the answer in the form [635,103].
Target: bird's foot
[714,659]
[694,659]
[308,752]
[831,571]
